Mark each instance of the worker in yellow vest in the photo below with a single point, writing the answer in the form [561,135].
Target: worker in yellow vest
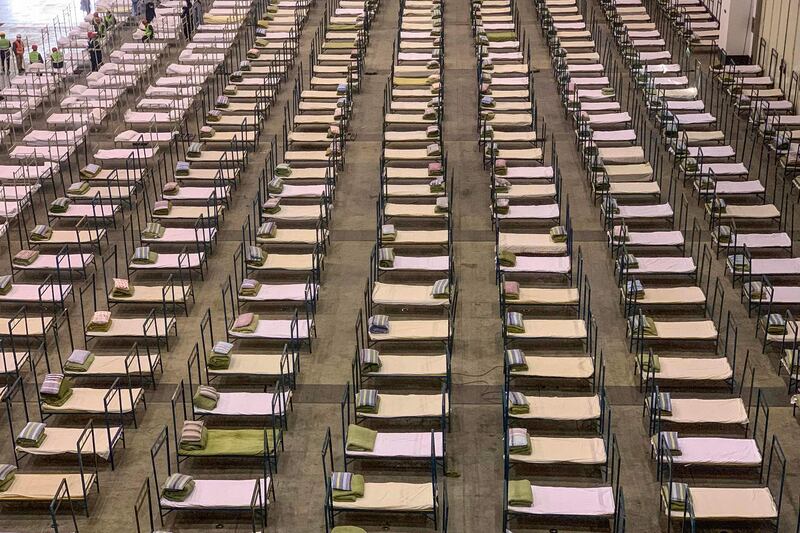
[149,32]
[34,56]
[56,59]
[5,52]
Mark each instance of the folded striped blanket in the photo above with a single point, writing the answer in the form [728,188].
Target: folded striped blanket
[755,289]
[267,230]
[283,170]
[245,66]
[195,149]
[55,390]
[519,442]
[433,150]
[78,188]
[220,356]
[378,324]
[153,230]
[647,325]
[611,206]
[100,321]
[432,132]
[32,435]
[41,232]
[634,288]
[25,257]
[662,401]
[275,185]
[514,322]
[59,205]
[272,206]
[386,257]
[253,53]
[723,234]
[143,256]
[630,261]
[255,256]
[775,324]
[249,287]
[215,115]
[388,232]
[7,474]
[437,185]
[670,439]
[501,206]
[90,171]
[501,185]
[5,284]
[245,323]
[442,205]
[182,168]
[516,360]
[206,132]
[178,487]
[194,435]
[738,263]
[205,398]
[222,102]
[518,404]
[558,234]
[675,495]
[441,289]
[500,167]
[230,90]
[370,360]
[354,484]
[162,207]
[79,361]
[368,401]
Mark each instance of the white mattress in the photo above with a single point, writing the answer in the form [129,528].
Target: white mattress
[220,494]
[405,444]
[247,404]
[569,501]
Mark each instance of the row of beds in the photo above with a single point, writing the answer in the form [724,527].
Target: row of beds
[753,234]
[658,273]
[556,416]
[758,247]
[400,389]
[35,333]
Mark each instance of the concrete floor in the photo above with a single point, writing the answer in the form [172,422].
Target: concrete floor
[474,444]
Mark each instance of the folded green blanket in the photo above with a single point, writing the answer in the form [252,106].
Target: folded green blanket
[558,234]
[179,495]
[649,361]
[520,493]
[5,284]
[32,435]
[360,439]
[386,257]
[71,366]
[348,529]
[6,483]
[205,398]
[232,442]
[650,327]
[95,327]
[28,443]
[507,258]
[356,490]
[59,205]
[57,400]
[42,232]
[25,257]
[218,361]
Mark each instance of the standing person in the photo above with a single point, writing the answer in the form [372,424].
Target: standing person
[5,52]
[147,36]
[98,24]
[149,11]
[109,19]
[186,18]
[95,52]
[34,56]
[135,8]
[19,53]
[56,59]
[86,5]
